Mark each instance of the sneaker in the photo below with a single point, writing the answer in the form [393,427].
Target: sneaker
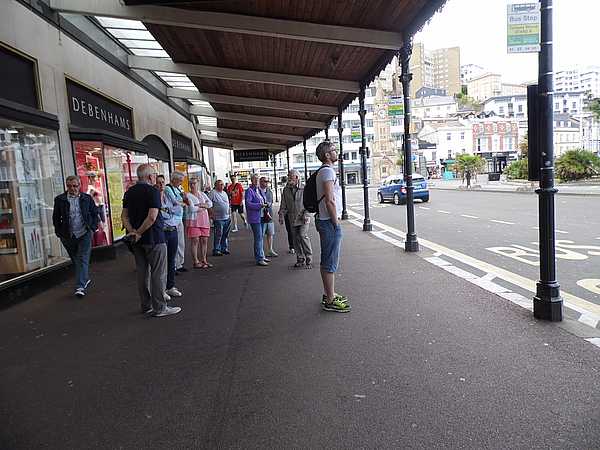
[292,251]
[80,292]
[87,283]
[174,292]
[225,252]
[341,298]
[309,262]
[234,230]
[217,254]
[262,262]
[168,311]
[267,260]
[167,297]
[273,254]
[336,306]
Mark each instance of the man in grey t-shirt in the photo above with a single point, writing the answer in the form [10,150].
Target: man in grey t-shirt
[330,232]
[221,218]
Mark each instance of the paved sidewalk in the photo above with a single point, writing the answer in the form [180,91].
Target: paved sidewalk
[424,360]
[519,186]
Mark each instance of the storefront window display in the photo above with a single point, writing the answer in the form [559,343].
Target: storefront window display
[162,167]
[106,173]
[30,177]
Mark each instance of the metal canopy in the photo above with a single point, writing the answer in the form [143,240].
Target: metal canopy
[274,71]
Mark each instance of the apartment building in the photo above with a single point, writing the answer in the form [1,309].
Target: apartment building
[585,79]
[437,69]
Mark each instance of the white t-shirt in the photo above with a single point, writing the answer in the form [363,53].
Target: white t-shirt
[327,173]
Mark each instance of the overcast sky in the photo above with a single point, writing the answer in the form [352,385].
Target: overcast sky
[478,27]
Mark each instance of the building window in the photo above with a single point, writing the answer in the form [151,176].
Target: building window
[520,108]
[354,156]
[30,178]
[462,136]
[345,156]
[448,136]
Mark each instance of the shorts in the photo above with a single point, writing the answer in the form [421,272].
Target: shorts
[268,228]
[331,243]
[238,208]
[194,232]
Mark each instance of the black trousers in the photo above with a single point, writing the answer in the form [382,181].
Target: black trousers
[290,236]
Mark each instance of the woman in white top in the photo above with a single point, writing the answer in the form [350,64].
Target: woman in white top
[197,224]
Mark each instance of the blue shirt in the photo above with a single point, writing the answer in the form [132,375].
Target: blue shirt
[76,225]
[170,209]
[175,197]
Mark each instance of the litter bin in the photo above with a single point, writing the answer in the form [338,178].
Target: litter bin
[494,176]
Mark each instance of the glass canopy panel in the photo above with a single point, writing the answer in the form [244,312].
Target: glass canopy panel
[108,22]
[131,34]
[136,43]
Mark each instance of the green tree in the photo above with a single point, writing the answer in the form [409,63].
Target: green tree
[473,163]
[517,170]
[594,108]
[577,165]
[464,101]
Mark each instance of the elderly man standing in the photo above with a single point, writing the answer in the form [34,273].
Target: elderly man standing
[145,228]
[255,205]
[75,219]
[221,218]
[174,194]
[292,210]
[288,226]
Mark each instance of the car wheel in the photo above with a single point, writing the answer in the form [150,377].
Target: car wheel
[425,199]
[380,197]
[397,199]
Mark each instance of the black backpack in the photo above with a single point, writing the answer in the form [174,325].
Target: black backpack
[310,200]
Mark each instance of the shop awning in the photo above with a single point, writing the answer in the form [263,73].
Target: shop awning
[271,73]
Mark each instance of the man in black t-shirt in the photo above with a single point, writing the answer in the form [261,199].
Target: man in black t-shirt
[144,225]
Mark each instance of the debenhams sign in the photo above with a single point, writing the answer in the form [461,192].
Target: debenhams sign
[89,109]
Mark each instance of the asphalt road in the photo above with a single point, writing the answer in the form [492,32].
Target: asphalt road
[501,229]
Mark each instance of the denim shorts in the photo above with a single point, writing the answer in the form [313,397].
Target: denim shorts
[331,241]
[268,228]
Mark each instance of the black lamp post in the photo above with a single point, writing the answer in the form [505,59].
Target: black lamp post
[341,166]
[275,176]
[411,244]
[547,304]
[363,158]
[305,164]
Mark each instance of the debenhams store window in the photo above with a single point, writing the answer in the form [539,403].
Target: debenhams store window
[106,154]
[30,172]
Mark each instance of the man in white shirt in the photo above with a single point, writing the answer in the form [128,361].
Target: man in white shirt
[329,195]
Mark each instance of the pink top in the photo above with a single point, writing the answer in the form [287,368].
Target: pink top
[196,216]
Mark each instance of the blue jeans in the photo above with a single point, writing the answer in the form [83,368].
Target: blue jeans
[79,250]
[331,242]
[221,242]
[172,241]
[257,231]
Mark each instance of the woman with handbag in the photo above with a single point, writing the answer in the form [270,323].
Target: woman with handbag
[197,224]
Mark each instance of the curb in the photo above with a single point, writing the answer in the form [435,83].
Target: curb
[582,194]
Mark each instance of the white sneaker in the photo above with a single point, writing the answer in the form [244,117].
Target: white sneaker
[262,262]
[174,292]
[80,292]
[234,230]
[292,251]
[167,297]
[273,254]
[168,311]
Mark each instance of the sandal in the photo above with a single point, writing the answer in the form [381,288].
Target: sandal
[197,265]
[207,265]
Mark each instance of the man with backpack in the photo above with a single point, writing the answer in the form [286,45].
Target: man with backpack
[323,195]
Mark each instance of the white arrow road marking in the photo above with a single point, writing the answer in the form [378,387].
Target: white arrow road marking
[502,222]
[571,301]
